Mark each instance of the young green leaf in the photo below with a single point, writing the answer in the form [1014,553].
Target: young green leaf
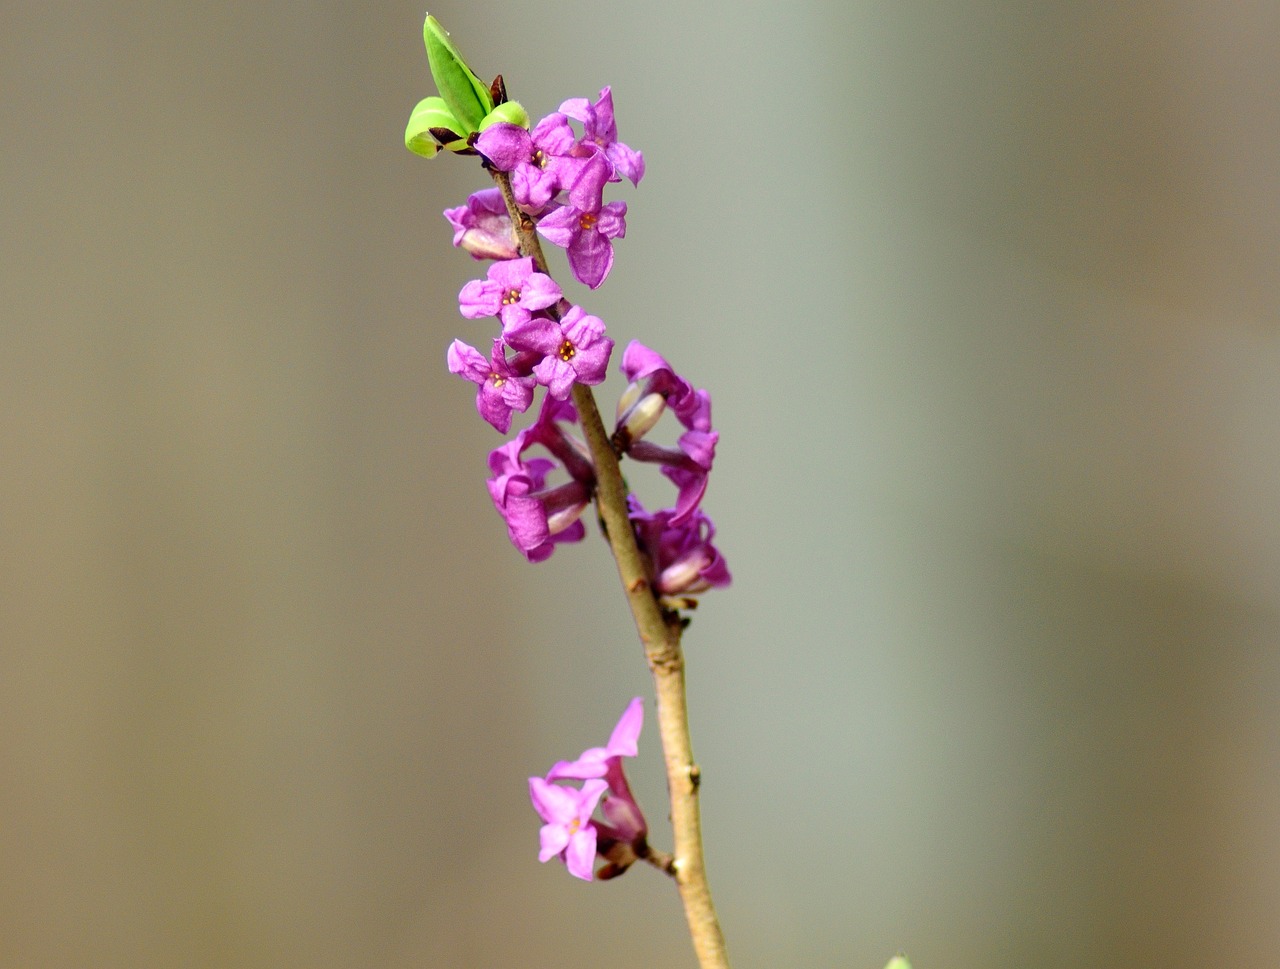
[432,125]
[467,97]
[511,112]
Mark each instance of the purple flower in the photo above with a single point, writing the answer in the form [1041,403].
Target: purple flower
[569,832]
[600,133]
[623,836]
[684,560]
[482,227]
[537,518]
[653,387]
[648,374]
[511,292]
[586,238]
[501,390]
[540,161]
[574,349]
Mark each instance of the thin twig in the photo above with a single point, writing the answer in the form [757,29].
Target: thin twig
[659,632]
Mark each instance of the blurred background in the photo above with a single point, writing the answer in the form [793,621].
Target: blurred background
[986,295]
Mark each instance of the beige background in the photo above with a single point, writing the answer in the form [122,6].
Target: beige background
[986,294]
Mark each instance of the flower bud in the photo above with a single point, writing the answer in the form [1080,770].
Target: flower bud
[640,419]
[564,505]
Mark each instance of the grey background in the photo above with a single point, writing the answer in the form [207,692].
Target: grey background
[986,295]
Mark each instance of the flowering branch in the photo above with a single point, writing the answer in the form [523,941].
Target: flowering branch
[660,632]
[549,183]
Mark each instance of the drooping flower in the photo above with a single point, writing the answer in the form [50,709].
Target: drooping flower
[684,560]
[537,518]
[654,386]
[482,227]
[501,389]
[586,237]
[600,133]
[512,291]
[574,348]
[569,832]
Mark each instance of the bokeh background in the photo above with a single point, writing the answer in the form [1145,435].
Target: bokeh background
[986,294]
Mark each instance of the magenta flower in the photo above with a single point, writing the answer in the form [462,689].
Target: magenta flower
[649,375]
[575,349]
[540,161]
[684,560]
[482,226]
[586,237]
[537,518]
[501,389]
[600,133]
[512,291]
[622,837]
[653,387]
[569,832]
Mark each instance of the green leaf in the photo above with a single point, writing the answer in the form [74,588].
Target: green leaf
[432,124]
[512,112]
[467,97]
[898,962]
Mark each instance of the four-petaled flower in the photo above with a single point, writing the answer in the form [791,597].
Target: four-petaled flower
[621,838]
[586,237]
[568,832]
[574,349]
[600,132]
[502,390]
[512,292]
[540,161]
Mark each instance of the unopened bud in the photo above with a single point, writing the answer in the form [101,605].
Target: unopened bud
[564,505]
[640,419]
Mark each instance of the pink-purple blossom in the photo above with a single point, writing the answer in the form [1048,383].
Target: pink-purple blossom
[684,559]
[587,238]
[621,838]
[655,386]
[600,133]
[574,349]
[482,227]
[540,161]
[501,389]
[512,291]
[568,831]
[538,518]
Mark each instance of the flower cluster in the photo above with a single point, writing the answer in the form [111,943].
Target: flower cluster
[557,179]
[552,179]
[570,831]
